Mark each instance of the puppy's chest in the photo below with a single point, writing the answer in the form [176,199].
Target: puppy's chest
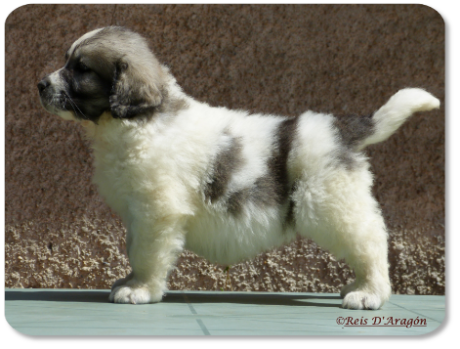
[133,174]
[125,168]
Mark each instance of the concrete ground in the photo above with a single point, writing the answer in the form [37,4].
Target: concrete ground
[70,312]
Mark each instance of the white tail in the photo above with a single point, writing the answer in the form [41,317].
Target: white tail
[397,110]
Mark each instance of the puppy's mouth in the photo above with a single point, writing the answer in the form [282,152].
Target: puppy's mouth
[51,100]
[56,102]
[53,103]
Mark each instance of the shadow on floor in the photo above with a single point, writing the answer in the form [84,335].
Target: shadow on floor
[96,296]
[287,299]
[102,296]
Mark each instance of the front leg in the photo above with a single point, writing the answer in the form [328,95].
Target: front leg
[152,251]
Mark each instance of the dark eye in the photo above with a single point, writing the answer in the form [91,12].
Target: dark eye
[83,67]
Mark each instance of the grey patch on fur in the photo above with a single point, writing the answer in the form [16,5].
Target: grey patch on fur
[346,158]
[353,129]
[264,192]
[274,188]
[237,200]
[261,193]
[277,165]
[290,217]
[227,162]
[289,220]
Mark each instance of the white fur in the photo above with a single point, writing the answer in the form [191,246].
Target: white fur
[153,172]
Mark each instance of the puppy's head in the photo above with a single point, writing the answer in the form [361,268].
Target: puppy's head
[107,70]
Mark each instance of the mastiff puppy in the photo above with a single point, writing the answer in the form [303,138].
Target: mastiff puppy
[225,184]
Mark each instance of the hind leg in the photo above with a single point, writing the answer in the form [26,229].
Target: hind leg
[341,216]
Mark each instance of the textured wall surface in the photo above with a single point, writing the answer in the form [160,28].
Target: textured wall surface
[275,59]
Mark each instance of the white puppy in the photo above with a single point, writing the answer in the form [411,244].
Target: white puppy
[225,184]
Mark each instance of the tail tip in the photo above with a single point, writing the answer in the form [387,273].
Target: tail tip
[421,99]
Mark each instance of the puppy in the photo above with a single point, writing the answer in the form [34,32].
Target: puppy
[225,184]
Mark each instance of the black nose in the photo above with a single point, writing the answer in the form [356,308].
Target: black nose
[43,84]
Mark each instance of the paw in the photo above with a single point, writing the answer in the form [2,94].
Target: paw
[134,294]
[361,300]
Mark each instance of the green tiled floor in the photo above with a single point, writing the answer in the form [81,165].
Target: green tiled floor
[88,312]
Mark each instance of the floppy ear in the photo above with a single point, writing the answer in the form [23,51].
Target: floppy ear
[132,93]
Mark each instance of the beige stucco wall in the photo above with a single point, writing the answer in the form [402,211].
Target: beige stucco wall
[273,59]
